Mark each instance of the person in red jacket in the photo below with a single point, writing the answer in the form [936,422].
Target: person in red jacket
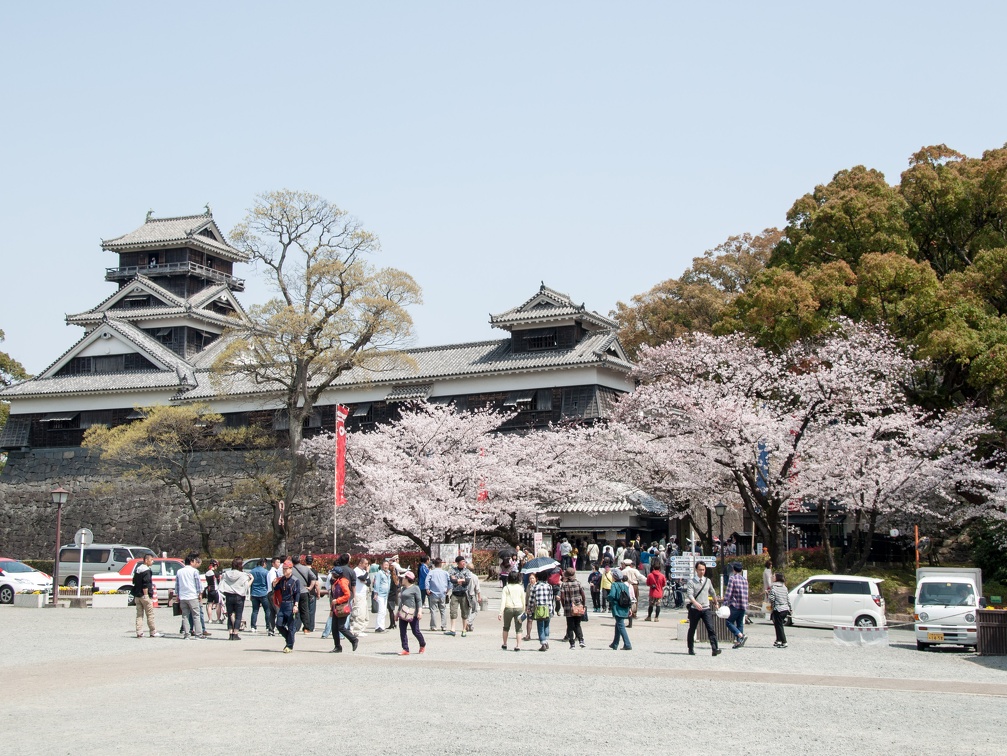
[341,607]
[656,582]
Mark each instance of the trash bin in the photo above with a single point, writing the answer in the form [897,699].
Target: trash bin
[720,625]
[991,632]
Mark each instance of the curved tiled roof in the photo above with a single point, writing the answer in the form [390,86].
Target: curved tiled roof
[621,498]
[548,305]
[440,363]
[94,383]
[169,231]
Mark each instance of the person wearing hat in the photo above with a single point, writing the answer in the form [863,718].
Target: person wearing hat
[736,597]
[459,578]
[621,603]
[409,612]
[634,579]
[286,592]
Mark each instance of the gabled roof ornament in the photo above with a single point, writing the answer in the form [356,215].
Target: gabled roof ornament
[150,214]
[207,206]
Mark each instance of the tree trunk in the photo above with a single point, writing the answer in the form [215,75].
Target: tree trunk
[865,546]
[186,487]
[765,514]
[279,527]
[295,475]
[823,528]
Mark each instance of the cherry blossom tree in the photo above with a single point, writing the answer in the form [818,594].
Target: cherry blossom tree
[826,420]
[437,475]
[903,466]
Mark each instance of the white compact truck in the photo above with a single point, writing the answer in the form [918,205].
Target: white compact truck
[947,599]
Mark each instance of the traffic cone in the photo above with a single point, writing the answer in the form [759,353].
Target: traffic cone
[154,596]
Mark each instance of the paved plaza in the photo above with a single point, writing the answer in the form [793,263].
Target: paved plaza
[79,681]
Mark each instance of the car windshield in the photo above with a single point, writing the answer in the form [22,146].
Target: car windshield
[947,594]
[15,567]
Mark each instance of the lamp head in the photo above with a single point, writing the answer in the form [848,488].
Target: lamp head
[720,509]
[59,495]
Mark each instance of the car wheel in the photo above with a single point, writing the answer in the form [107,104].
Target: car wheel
[6,594]
[921,646]
[789,621]
[71,582]
[130,598]
[865,621]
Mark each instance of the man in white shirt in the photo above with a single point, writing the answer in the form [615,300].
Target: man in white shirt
[188,588]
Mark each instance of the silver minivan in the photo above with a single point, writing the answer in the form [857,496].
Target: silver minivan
[98,557]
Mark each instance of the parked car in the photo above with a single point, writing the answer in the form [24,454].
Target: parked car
[163,572]
[829,600]
[98,558]
[17,576]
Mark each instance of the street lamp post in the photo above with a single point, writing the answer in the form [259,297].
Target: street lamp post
[721,509]
[58,496]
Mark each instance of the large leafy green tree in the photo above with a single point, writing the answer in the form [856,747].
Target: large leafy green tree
[854,214]
[696,301]
[956,206]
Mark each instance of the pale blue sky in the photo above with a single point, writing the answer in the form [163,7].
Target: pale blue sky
[595,146]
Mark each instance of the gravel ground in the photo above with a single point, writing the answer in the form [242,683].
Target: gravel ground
[79,671]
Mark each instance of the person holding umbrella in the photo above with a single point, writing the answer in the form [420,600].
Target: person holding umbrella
[542,600]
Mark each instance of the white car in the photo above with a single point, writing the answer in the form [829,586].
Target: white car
[16,577]
[163,571]
[829,600]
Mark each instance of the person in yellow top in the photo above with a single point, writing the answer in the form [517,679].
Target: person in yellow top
[606,583]
[512,606]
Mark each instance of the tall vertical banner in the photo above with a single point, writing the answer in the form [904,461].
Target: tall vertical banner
[340,483]
[341,414]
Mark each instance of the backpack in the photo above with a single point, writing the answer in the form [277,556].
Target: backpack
[624,601]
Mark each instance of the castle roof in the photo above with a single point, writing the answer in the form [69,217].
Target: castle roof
[549,307]
[197,231]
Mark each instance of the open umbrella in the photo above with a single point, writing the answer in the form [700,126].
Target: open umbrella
[538,565]
[507,553]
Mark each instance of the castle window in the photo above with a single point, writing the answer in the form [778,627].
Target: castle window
[541,338]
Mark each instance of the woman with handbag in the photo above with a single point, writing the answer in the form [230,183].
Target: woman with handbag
[571,595]
[409,612]
[211,594]
[233,583]
[779,600]
[542,599]
[341,604]
[512,608]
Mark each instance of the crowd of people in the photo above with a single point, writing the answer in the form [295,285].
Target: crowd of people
[376,597]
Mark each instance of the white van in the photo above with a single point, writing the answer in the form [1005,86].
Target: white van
[947,600]
[830,600]
[98,557]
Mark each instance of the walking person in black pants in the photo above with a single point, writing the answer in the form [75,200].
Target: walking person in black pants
[701,598]
[409,611]
[233,583]
[341,607]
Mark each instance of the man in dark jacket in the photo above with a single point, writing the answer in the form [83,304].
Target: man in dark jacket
[143,596]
